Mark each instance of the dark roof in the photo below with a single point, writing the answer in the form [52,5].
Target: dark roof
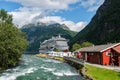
[98,48]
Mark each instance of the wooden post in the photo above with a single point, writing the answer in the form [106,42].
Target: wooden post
[99,58]
[85,56]
[119,60]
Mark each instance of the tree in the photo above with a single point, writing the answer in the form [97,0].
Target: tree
[56,49]
[4,17]
[86,44]
[76,46]
[12,41]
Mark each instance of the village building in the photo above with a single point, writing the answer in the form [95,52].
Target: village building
[108,54]
[58,42]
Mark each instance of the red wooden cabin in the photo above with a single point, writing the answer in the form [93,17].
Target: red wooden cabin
[108,54]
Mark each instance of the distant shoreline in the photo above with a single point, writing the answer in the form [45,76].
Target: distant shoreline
[49,57]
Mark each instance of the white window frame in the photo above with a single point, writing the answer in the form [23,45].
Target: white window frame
[108,53]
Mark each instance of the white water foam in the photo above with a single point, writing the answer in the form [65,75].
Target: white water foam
[47,69]
[53,61]
[69,73]
[62,73]
[37,77]
[58,73]
[31,70]
[49,79]
[14,75]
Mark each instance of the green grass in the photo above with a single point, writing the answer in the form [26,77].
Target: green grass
[102,74]
[59,59]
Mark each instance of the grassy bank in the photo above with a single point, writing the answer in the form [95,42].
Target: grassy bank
[102,74]
[50,57]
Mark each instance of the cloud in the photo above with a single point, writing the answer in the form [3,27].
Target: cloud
[70,24]
[22,18]
[37,11]
[33,11]
[51,19]
[91,5]
[57,19]
[75,26]
[46,4]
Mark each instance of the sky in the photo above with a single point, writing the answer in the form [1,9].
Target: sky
[76,14]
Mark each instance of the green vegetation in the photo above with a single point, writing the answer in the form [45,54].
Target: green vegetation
[42,55]
[86,44]
[56,50]
[59,58]
[39,32]
[102,74]
[12,41]
[104,26]
[77,46]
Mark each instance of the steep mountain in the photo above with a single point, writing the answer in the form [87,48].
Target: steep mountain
[39,32]
[104,26]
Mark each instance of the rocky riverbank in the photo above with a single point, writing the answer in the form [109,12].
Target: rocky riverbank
[84,73]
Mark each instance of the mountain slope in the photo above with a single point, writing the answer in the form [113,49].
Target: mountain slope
[37,33]
[104,26]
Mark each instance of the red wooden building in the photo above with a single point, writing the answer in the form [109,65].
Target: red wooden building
[108,54]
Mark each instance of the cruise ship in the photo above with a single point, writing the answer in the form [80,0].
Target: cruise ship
[58,43]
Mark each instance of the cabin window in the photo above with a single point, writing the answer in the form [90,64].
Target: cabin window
[91,53]
[115,54]
[108,53]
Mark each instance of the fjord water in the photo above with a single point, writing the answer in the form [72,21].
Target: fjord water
[35,68]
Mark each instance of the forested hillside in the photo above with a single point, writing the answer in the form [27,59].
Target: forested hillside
[104,26]
[39,32]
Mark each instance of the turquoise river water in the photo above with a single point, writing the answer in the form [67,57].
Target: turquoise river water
[35,68]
